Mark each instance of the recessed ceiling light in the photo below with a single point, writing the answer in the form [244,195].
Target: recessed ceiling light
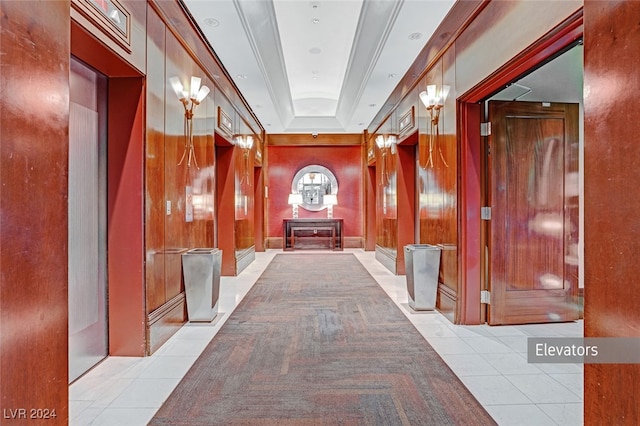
[415,36]
[241,76]
[372,105]
[315,5]
[212,22]
[315,50]
[315,21]
[392,75]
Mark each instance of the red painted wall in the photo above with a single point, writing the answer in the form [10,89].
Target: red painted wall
[346,164]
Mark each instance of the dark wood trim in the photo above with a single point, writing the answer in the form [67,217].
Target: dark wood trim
[469,225]
[305,139]
[353,242]
[349,242]
[274,242]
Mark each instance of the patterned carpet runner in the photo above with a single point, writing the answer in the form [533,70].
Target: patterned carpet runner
[316,341]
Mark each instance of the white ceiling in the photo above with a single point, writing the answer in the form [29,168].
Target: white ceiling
[317,66]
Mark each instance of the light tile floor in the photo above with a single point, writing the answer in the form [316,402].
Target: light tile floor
[490,361]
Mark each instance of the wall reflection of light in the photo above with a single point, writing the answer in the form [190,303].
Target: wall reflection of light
[549,224]
[202,194]
[433,198]
[435,202]
[203,206]
[571,184]
[242,204]
[550,281]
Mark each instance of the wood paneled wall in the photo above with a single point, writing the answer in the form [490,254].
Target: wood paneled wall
[34,142]
[342,154]
[172,224]
[612,200]
[462,54]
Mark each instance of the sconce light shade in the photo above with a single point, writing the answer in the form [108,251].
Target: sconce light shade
[195,87]
[295,199]
[178,88]
[434,97]
[330,199]
[202,93]
[387,142]
[244,142]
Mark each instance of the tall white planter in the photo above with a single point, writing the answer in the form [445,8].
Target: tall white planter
[201,270]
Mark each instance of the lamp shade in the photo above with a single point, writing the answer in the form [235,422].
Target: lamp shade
[330,199]
[295,199]
[202,93]
[195,87]
[177,87]
[385,142]
[434,96]
[244,142]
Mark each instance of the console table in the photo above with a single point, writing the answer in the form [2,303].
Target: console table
[312,234]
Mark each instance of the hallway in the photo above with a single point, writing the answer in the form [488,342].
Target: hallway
[490,361]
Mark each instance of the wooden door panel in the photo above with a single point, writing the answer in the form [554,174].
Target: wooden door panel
[533,226]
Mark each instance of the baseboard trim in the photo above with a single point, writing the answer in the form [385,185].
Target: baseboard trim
[165,321]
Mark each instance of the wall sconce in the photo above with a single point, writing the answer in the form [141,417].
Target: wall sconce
[190,99]
[295,200]
[385,144]
[433,100]
[245,143]
[330,200]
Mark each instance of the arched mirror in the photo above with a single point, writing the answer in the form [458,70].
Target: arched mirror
[314,182]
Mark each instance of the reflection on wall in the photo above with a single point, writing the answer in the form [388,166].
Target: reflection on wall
[387,199]
[244,201]
[437,197]
[202,196]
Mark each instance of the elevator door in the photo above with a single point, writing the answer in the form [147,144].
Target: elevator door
[88,326]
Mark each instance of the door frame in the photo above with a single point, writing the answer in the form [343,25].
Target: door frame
[125,192]
[472,192]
